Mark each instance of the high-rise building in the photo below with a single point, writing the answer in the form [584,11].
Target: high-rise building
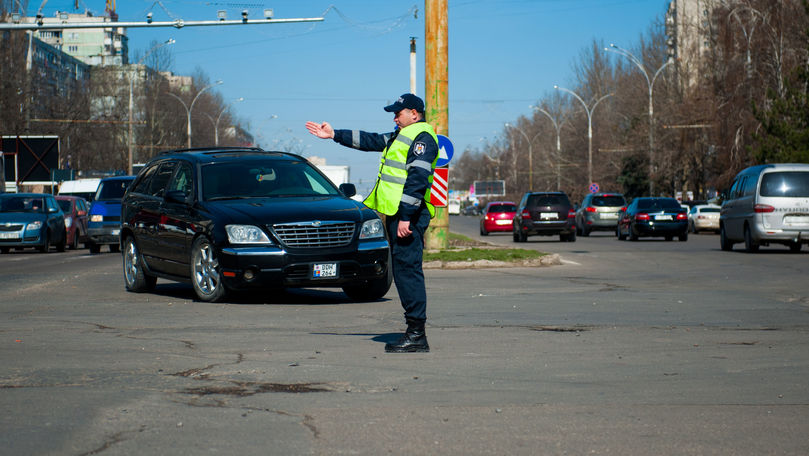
[94,46]
[689,28]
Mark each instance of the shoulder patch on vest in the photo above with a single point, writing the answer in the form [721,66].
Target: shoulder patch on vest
[419,148]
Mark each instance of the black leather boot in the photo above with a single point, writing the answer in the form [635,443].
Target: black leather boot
[413,340]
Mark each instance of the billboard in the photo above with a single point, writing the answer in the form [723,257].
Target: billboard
[489,188]
[30,159]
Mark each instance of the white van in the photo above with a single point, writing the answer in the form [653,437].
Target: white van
[454,207]
[767,204]
[85,188]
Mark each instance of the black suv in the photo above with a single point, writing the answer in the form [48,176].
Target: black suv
[545,214]
[242,218]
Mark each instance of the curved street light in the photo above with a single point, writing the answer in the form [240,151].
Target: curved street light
[530,155]
[589,112]
[189,109]
[132,99]
[650,83]
[557,126]
[219,117]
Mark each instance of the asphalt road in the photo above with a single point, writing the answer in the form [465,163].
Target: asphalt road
[650,347]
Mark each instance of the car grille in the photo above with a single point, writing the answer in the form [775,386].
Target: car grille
[314,234]
[10,227]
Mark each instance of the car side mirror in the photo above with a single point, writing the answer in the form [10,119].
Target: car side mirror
[348,190]
[176,196]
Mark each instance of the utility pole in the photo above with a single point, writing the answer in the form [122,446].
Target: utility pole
[436,76]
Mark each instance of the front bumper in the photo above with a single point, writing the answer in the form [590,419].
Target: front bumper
[275,267]
[22,238]
[109,234]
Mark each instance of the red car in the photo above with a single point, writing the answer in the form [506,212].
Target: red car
[75,209]
[497,216]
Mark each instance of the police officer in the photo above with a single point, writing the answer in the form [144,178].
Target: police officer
[402,193]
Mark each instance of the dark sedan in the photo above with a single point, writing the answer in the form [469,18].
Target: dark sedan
[31,220]
[663,217]
[246,219]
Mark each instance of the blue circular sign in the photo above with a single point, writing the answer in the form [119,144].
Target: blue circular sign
[445,151]
[594,188]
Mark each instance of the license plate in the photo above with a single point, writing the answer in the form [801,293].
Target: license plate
[9,235]
[116,232]
[548,215]
[662,217]
[502,222]
[796,220]
[609,216]
[324,270]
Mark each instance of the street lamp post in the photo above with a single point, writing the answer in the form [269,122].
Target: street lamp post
[650,84]
[219,117]
[530,155]
[557,126]
[589,112]
[132,100]
[189,109]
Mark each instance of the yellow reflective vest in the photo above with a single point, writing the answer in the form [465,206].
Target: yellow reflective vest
[389,187]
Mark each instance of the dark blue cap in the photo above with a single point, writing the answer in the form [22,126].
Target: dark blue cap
[406,101]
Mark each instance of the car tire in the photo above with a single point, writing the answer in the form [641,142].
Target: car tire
[669,238]
[522,236]
[619,234]
[60,247]
[46,245]
[750,246]
[206,277]
[94,248]
[4,250]
[372,290]
[694,228]
[483,231]
[578,229]
[515,236]
[585,231]
[683,237]
[135,277]
[115,248]
[633,236]
[724,242]
[75,244]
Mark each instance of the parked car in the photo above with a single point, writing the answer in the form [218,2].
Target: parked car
[544,214]
[767,204]
[703,217]
[599,211]
[229,219]
[497,216]
[648,216]
[104,225]
[31,220]
[76,210]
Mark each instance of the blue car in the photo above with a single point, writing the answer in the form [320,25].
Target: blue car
[31,220]
[104,226]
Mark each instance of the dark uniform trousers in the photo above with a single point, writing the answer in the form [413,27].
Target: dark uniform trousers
[408,274]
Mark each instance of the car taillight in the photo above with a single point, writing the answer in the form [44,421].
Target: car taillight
[590,209]
[526,214]
[571,214]
[763,208]
[642,216]
[682,216]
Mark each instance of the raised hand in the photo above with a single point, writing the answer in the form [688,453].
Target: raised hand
[322,130]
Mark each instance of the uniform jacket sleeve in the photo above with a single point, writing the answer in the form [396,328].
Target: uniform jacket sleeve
[420,158]
[362,140]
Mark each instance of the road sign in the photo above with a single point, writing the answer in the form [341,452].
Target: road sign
[594,188]
[438,193]
[445,151]
[489,188]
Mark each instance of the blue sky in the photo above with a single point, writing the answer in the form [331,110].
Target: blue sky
[504,55]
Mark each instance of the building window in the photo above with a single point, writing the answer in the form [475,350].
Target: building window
[73,48]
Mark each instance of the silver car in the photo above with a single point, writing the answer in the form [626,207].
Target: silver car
[703,217]
[767,204]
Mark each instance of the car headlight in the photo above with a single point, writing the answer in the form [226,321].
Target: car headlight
[68,222]
[246,234]
[96,218]
[372,229]
[33,226]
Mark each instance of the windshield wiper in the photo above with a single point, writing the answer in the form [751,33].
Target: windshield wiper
[220,198]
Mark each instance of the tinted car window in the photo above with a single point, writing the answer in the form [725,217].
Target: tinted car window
[548,200]
[112,190]
[608,201]
[709,209]
[66,205]
[787,183]
[141,185]
[161,178]
[267,178]
[658,204]
[183,181]
[502,208]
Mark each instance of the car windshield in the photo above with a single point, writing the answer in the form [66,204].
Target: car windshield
[548,200]
[112,190]
[21,204]
[263,178]
[502,208]
[785,183]
[609,200]
[66,206]
[659,204]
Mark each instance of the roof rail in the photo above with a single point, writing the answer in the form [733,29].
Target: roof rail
[213,149]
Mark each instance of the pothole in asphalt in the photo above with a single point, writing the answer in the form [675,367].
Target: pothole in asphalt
[243,389]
